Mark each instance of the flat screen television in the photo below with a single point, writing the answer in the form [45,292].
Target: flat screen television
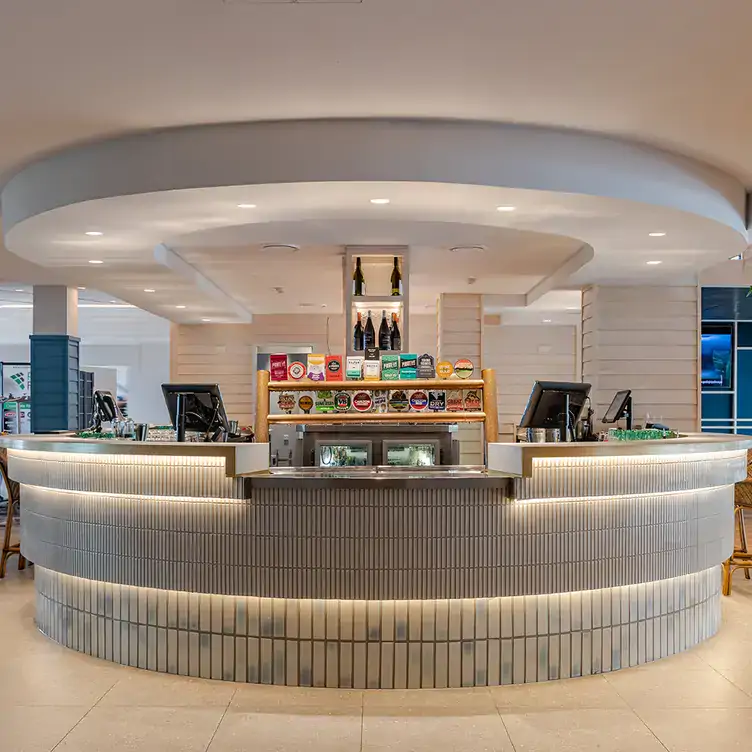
[717,360]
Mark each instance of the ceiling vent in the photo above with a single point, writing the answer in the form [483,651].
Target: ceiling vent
[280,248]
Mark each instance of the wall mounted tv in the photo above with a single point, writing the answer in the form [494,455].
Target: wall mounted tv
[717,358]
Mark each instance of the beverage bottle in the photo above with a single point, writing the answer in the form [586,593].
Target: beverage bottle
[358,333]
[359,281]
[369,333]
[385,340]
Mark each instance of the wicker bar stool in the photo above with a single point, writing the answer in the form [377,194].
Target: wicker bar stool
[741,558]
[10,548]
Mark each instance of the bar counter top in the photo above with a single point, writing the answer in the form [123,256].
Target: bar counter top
[506,458]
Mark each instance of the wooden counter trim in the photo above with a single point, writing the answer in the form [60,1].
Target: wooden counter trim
[237,461]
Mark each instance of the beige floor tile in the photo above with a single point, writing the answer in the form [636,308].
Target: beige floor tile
[429,702]
[585,693]
[271,732]
[55,686]
[146,689]
[296,701]
[434,733]
[144,729]
[580,731]
[677,689]
[36,729]
[726,729]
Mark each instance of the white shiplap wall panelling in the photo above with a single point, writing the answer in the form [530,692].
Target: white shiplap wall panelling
[644,339]
[521,355]
[460,336]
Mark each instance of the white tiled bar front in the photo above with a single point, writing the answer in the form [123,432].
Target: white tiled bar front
[596,558]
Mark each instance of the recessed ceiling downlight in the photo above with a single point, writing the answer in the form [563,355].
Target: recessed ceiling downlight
[95,261]
[94,234]
[149,289]
[246,206]
[380,200]
[506,208]
[206,321]
[179,306]
[653,263]
[656,234]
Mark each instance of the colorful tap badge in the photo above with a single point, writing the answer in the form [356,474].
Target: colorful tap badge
[464,368]
[362,402]
[354,370]
[296,371]
[278,367]
[418,401]
[473,402]
[437,400]
[444,369]
[305,403]
[317,367]
[325,402]
[342,402]
[334,368]
[398,401]
[286,402]
[408,366]
[454,401]
[426,367]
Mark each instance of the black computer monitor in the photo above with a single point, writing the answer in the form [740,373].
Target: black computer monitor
[620,407]
[106,409]
[546,406]
[196,407]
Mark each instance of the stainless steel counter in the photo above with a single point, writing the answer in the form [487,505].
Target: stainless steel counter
[434,478]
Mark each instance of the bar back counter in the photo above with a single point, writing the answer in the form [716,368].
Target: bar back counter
[556,561]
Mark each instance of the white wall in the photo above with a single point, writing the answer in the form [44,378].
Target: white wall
[522,354]
[644,339]
[148,368]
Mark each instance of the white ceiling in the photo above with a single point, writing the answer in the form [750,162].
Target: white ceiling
[207,229]
[670,73]
[102,319]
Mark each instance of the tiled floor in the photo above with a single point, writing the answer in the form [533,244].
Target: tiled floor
[52,698]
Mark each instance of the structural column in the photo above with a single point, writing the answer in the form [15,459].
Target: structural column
[54,360]
[644,339]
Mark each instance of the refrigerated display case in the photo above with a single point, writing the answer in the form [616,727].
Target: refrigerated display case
[415,453]
[343,453]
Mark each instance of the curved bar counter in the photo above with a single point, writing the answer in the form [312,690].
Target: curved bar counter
[562,560]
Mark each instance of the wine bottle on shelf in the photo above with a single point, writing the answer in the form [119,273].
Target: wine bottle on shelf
[395,335]
[385,340]
[396,278]
[358,334]
[359,281]
[369,333]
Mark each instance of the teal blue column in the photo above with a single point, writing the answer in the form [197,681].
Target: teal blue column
[54,382]
[54,360]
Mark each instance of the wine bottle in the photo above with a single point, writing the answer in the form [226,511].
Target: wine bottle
[359,281]
[369,333]
[358,334]
[385,340]
[395,335]
[396,278]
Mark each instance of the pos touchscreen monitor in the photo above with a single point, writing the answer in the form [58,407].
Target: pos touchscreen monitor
[547,405]
[196,407]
